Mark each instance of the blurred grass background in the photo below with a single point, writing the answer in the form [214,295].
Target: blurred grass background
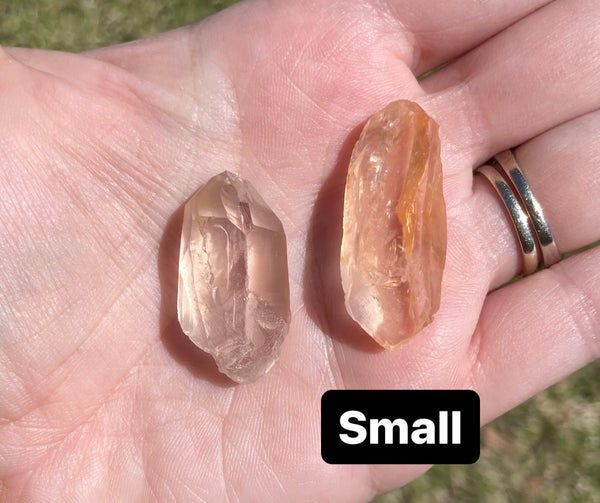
[71,25]
[546,450]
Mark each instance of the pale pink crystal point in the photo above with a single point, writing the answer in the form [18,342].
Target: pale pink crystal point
[394,240]
[233,297]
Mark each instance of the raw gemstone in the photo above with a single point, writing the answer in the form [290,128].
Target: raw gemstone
[233,298]
[394,241]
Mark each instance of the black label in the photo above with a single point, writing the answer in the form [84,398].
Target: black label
[400,426]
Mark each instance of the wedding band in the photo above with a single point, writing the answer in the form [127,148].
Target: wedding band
[507,164]
[518,215]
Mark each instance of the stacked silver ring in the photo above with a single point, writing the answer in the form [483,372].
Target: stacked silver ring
[538,247]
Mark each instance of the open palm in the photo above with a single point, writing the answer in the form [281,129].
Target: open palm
[103,397]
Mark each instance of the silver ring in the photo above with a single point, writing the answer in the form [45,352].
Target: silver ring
[518,215]
[506,163]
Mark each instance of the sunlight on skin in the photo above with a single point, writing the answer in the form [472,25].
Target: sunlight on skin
[103,396]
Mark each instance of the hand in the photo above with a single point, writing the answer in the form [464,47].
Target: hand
[104,398]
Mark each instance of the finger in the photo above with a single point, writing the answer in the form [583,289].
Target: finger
[442,31]
[562,167]
[433,32]
[536,331]
[540,72]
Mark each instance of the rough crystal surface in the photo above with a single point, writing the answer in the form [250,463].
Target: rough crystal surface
[394,239]
[233,297]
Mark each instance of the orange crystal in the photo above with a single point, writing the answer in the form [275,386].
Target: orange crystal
[394,241]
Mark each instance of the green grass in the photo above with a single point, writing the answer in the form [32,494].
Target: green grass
[547,450]
[80,25]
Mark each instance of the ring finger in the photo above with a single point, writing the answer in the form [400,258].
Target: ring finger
[562,168]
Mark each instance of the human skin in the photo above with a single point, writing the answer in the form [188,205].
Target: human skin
[104,399]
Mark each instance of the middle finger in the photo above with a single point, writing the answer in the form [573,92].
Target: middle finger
[538,73]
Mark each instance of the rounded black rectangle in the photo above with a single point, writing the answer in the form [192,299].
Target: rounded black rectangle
[400,426]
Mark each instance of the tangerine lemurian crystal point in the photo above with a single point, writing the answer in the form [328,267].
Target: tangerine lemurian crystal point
[394,238]
[233,296]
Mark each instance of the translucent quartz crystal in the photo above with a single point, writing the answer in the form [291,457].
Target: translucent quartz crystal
[233,298]
[394,240]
